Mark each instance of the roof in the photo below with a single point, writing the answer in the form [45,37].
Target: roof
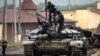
[28,13]
[28,5]
[25,17]
[95,10]
[98,29]
[69,20]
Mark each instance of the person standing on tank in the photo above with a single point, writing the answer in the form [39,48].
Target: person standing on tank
[60,21]
[52,13]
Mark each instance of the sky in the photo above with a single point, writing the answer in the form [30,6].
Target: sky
[56,2]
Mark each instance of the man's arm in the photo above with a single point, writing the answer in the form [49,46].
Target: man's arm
[40,23]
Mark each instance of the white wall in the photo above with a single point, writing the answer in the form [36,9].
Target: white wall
[86,18]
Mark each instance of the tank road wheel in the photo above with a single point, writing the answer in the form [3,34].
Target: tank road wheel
[36,53]
[84,52]
[69,51]
[55,55]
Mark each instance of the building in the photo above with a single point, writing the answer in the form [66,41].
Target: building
[98,5]
[28,19]
[86,18]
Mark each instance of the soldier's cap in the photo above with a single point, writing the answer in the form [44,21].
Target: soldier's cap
[49,2]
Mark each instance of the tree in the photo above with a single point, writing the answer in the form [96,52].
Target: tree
[41,6]
[10,6]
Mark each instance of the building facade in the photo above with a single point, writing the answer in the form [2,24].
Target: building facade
[86,18]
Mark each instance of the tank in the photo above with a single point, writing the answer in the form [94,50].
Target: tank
[55,39]
[70,42]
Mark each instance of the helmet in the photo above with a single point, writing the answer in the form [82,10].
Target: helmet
[49,2]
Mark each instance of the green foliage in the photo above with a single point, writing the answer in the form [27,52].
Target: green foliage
[62,7]
[10,6]
[1,8]
[41,6]
[83,6]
